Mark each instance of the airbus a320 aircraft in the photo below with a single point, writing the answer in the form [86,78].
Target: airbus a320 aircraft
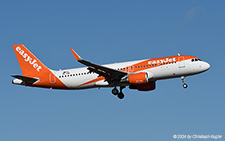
[140,75]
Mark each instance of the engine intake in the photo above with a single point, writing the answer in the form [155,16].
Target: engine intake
[137,78]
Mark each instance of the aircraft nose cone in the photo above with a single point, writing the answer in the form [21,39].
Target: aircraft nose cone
[206,66]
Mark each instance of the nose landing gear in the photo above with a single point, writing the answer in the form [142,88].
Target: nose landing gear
[185,85]
[183,80]
[120,94]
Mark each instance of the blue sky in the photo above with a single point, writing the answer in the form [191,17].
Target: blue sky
[107,32]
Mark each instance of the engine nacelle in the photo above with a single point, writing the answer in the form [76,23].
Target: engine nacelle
[137,78]
[144,87]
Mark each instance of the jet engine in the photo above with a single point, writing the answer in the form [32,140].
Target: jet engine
[136,78]
[144,87]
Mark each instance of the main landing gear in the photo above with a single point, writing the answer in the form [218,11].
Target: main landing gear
[183,80]
[120,94]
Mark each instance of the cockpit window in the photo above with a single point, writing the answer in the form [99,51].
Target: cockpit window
[196,59]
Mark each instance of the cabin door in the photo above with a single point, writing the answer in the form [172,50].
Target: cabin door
[52,78]
[181,62]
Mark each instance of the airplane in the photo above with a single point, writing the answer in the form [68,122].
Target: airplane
[139,75]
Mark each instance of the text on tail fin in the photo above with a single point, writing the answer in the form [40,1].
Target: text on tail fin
[29,59]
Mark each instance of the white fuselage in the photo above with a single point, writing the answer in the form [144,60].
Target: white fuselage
[76,78]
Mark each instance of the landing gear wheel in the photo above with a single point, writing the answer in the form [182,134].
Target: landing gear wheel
[183,80]
[115,91]
[185,85]
[120,95]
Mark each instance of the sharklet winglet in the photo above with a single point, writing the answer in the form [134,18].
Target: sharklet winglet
[75,55]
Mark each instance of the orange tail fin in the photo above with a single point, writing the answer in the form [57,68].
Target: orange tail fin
[30,65]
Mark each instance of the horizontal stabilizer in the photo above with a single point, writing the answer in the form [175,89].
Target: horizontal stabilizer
[26,79]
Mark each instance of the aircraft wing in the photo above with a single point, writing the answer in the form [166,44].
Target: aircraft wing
[110,74]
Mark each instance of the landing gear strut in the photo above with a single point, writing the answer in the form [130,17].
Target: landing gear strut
[120,94]
[183,80]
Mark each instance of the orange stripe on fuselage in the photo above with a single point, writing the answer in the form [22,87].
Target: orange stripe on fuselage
[155,62]
[92,81]
[45,82]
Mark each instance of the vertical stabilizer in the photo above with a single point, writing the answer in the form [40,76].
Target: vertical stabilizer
[32,67]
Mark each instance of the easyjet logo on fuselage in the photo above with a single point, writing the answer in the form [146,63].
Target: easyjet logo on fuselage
[166,60]
[27,58]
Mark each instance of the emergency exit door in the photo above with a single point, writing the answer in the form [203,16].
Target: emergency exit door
[52,78]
